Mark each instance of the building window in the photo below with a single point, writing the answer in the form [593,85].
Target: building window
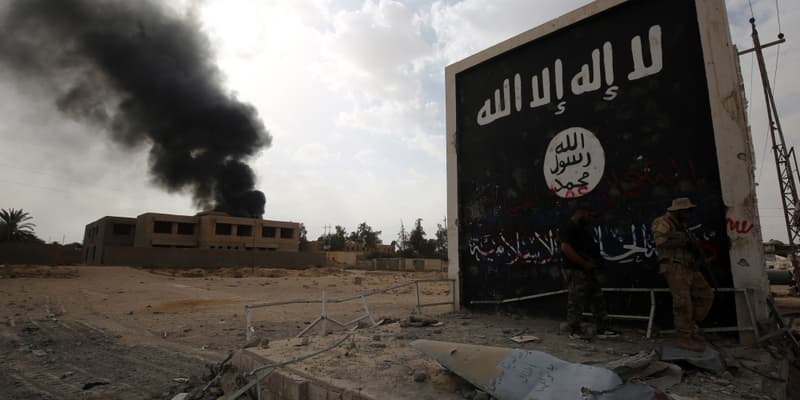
[224,229]
[287,233]
[268,231]
[162,227]
[122,229]
[244,230]
[185,228]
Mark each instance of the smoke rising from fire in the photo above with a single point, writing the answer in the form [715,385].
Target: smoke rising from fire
[144,74]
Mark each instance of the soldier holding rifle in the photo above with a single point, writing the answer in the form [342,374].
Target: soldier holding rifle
[680,260]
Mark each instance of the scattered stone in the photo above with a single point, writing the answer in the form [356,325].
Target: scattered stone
[264,343]
[181,380]
[39,353]
[437,331]
[420,376]
[181,396]
[66,375]
[358,280]
[130,312]
[377,345]
[24,349]
[376,338]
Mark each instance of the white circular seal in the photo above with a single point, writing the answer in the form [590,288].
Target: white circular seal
[574,163]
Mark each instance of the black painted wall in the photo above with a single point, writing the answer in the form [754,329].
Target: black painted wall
[657,142]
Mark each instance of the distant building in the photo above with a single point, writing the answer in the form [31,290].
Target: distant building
[208,230]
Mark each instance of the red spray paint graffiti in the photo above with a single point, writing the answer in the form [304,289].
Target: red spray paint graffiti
[740,227]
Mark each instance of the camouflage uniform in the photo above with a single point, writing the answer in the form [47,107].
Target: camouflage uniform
[583,287]
[692,297]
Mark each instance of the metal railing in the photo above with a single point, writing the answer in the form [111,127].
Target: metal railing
[649,318]
[324,318]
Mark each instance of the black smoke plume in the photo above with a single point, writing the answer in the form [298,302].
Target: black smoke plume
[145,74]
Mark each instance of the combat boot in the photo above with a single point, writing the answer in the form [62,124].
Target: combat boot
[688,343]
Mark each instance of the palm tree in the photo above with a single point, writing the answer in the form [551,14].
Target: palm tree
[15,225]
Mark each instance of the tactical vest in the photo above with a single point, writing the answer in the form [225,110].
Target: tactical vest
[669,256]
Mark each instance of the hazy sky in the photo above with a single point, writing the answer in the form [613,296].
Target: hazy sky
[353,94]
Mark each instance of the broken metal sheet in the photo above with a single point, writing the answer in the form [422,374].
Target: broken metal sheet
[709,359]
[512,374]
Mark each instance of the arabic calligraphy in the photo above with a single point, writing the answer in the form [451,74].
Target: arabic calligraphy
[574,163]
[622,246]
[642,245]
[589,78]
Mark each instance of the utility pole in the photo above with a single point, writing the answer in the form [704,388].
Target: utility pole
[785,159]
[327,242]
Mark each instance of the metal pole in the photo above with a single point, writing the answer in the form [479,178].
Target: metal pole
[324,314]
[366,310]
[248,320]
[750,312]
[652,313]
[786,179]
[419,310]
[452,285]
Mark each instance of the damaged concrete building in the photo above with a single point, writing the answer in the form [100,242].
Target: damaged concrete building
[205,239]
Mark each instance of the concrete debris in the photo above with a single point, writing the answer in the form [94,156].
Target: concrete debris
[525,339]
[628,366]
[709,360]
[644,366]
[664,375]
[625,392]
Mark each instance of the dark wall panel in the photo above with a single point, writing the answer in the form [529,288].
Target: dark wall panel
[612,111]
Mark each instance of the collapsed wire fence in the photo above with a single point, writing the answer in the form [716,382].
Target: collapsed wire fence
[323,319]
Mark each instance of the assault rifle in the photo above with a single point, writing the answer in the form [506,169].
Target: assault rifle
[700,262]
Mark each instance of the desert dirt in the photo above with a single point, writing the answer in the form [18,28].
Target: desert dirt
[127,333]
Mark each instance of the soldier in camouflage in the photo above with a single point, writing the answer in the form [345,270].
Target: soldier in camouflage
[582,256]
[679,258]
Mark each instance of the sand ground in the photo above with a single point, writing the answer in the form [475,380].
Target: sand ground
[135,333]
